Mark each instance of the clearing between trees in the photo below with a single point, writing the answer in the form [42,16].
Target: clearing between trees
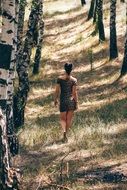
[95,157]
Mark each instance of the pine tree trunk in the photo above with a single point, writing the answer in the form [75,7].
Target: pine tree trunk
[23,67]
[100,21]
[113,36]
[91,10]
[40,41]
[83,2]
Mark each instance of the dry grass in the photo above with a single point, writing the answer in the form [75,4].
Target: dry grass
[95,156]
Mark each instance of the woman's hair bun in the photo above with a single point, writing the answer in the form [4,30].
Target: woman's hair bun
[68,67]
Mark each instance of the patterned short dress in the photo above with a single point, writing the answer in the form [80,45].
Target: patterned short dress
[67,103]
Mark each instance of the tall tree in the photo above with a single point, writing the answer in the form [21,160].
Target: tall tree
[6,54]
[23,66]
[91,10]
[12,25]
[113,35]
[95,11]
[100,24]
[21,15]
[40,41]
[124,65]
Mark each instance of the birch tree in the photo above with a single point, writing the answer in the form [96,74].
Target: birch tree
[23,66]
[21,15]
[91,10]
[37,59]
[113,35]
[100,24]
[12,139]
[6,54]
[95,11]
[124,64]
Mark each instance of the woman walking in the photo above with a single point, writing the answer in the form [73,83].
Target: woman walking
[67,89]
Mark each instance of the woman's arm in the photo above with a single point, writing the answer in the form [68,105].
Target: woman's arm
[56,94]
[75,95]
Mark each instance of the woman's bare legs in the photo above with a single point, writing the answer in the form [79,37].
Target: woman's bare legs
[69,118]
[63,122]
[63,119]
[66,121]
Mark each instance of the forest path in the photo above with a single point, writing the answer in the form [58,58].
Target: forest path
[95,156]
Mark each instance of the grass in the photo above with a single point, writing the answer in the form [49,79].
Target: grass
[97,140]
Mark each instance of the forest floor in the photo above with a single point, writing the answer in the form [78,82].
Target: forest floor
[95,158]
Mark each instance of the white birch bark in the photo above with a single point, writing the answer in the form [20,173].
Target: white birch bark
[10,82]
[6,88]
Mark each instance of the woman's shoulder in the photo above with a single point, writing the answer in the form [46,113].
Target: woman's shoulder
[61,77]
[73,79]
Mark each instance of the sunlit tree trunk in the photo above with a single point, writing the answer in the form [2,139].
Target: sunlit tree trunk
[100,20]
[12,139]
[113,36]
[23,67]
[91,10]
[37,59]
[6,55]
[5,59]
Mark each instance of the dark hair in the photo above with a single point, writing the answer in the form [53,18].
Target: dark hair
[68,68]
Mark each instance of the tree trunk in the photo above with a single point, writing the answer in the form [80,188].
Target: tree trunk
[6,55]
[124,65]
[20,97]
[113,36]
[0,17]
[83,2]
[7,173]
[100,21]
[40,41]
[95,11]
[91,10]
[12,139]
[21,15]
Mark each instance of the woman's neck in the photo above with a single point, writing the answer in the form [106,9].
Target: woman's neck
[67,76]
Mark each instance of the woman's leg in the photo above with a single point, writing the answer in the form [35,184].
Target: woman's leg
[63,121]
[69,119]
